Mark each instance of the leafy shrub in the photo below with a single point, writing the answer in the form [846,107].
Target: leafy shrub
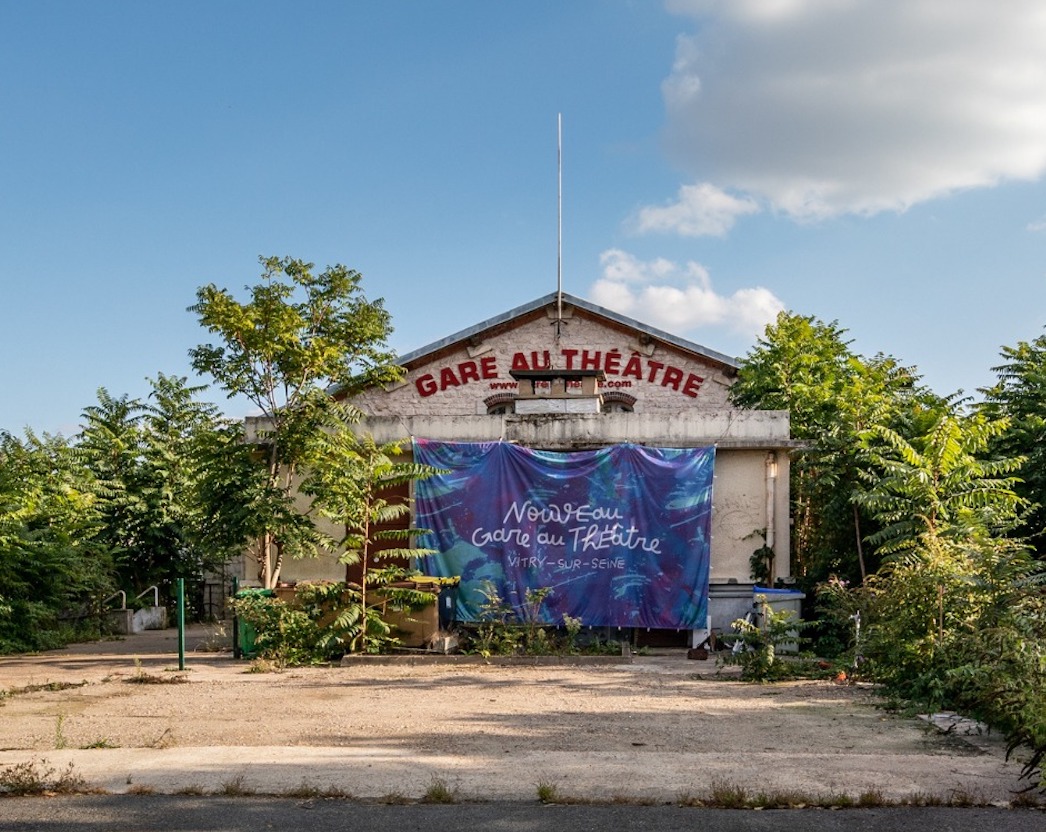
[962,625]
[33,778]
[836,633]
[283,633]
[502,631]
[327,619]
[760,641]
[998,675]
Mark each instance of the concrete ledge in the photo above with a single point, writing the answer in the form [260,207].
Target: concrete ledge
[150,618]
[121,622]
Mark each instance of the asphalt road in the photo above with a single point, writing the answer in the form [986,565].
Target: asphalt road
[141,813]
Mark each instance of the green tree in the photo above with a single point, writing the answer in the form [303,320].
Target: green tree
[147,461]
[299,335]
[361,486]
[833,395]
[110,447]
[940,484]
[955,614]
[177,432]
[959,622]
[172,424]
[54,566]
[235,497]
[1019,395]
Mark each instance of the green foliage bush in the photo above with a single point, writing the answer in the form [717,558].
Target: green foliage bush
[53,568]
[325,619]
[504,631]
[961,626]
[761,643]
[999,676]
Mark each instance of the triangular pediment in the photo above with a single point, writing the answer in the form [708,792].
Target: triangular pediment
[547,307]
[641,367]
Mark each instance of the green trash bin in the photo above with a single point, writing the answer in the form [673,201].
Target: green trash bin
[246,635]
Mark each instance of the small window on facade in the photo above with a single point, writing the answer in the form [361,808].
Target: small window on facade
[614,401]
[500,403]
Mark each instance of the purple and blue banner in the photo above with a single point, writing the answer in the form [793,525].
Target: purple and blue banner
[620,535]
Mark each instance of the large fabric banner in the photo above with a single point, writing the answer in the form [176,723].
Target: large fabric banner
[619,535]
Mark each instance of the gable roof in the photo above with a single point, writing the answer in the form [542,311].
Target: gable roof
[538,305]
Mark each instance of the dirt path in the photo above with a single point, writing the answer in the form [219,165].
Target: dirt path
[660,728]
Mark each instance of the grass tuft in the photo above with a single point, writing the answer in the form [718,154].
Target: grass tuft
[165,740]
[725,795]
[871,799]
[264,666]
[439,792]
[308,791]
[59,736]
[103,742]
[549,792]
[236,787]
[143,677]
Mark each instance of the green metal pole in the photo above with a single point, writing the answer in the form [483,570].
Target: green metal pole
[236,653]
[181,623]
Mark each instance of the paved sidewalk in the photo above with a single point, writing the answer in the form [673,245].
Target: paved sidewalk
[205,645]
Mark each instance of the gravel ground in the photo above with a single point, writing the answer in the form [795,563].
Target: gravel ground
[656,728]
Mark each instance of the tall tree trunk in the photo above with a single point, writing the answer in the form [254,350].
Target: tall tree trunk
[264,562]
[277,566]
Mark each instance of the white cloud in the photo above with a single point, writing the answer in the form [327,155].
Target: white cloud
[1037,225]
[827,107]
[700,211]
[678,298]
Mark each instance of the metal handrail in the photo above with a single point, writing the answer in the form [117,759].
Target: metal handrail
[121,595]
[156,595]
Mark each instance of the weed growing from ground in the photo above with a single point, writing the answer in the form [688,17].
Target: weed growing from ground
[59,736]
[724,795]
[870,799]
[728,796]
[265,666]
[307,791]
[1027,799]
[236,787]
[142,677]
[103,742]
[548,793]
[165,740]
[439,792]
[33,777]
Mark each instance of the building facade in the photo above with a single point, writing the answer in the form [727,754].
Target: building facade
[561,374]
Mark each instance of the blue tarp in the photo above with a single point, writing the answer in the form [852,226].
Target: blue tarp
[620,535]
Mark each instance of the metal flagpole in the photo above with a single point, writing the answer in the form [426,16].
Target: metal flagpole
[559,224]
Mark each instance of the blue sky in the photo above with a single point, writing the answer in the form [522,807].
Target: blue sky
[873,162]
